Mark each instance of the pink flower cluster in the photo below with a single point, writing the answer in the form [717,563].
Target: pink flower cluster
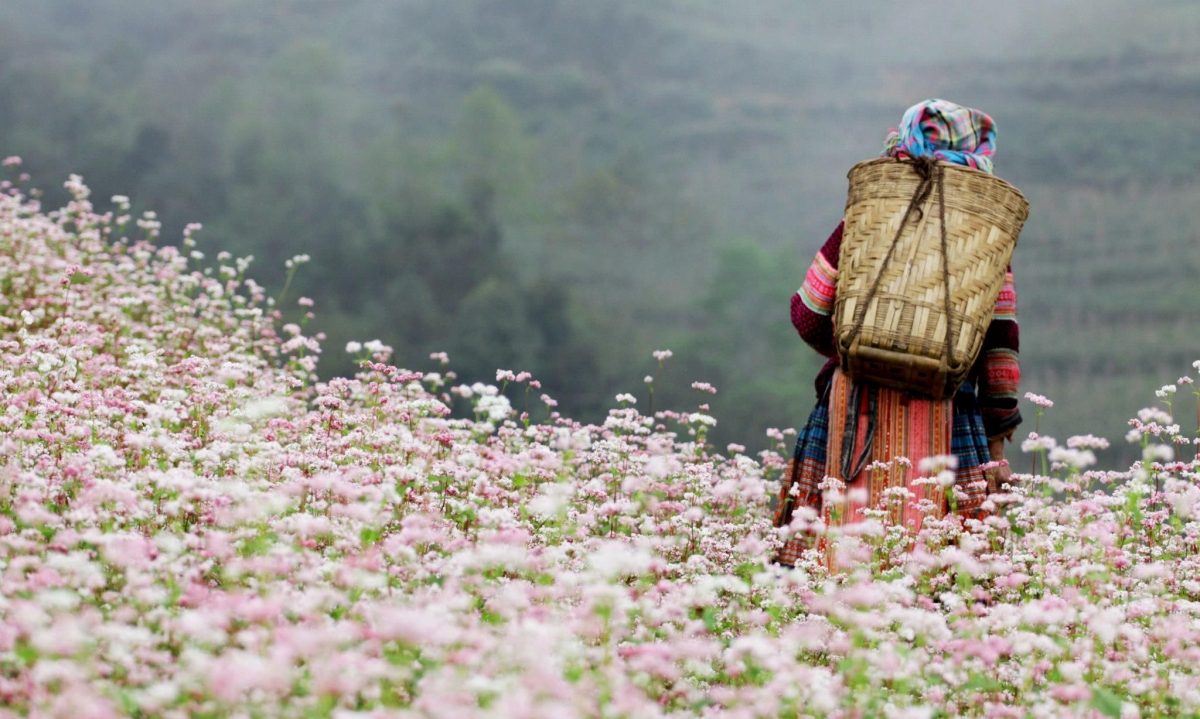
[193,524]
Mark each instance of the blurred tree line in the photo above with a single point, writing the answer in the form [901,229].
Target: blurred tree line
[564,186]
[463,237]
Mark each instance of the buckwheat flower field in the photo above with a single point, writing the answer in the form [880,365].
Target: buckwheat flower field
[193,525]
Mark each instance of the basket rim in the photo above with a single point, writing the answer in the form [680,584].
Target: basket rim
[954,167]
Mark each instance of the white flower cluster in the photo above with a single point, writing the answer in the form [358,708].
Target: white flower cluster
[496,408]
[200,529]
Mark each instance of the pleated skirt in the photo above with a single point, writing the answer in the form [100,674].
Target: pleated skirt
[861,441]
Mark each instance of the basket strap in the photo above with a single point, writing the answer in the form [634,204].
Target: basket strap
[931,174]
[925,166]
[851,466]
[951,340]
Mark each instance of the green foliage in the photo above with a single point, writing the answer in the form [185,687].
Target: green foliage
[494,152]
[494,329]
[561,177]
[768,383]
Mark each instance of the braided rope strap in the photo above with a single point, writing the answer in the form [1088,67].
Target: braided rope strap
[931,174]
[891,326]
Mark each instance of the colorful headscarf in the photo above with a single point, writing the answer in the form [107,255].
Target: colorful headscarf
[947,131]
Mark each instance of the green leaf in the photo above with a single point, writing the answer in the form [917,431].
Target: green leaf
[980,683]
[390,696]
[258,544]
[323,708]
[25,652]
[369,536]
[128,705]
[1105,702]
[491,617]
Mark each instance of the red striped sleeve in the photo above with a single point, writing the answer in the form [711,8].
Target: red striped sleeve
[812,304]
[1000,371]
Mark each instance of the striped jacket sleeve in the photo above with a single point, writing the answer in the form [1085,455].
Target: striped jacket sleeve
[812,305]
[1000,374]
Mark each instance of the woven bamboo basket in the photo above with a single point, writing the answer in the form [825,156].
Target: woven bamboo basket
[890,318]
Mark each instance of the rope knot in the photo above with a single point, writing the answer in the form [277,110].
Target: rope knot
[925,166]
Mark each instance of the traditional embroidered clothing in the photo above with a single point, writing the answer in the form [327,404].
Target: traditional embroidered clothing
[915,428]
[997,372]
[888,423]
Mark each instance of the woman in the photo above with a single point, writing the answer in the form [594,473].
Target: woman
[854,436]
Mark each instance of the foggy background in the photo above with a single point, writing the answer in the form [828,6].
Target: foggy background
[563,186]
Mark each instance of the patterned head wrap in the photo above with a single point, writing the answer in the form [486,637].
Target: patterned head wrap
[948,132]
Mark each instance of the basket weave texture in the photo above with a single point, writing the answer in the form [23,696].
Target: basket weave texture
[899,338]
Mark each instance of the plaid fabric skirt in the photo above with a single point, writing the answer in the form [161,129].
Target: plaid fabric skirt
[856,429]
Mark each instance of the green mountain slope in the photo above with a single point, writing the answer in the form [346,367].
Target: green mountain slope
[564,185]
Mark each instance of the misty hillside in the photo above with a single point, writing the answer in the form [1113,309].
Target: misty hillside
[565,185]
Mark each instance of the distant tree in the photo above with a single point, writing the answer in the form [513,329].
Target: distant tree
[492,330]
[494,153]
[745,344]
[451,244]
